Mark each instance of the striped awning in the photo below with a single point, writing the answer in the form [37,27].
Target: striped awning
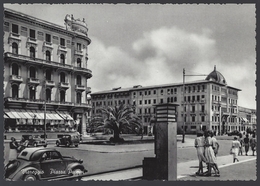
[65,115]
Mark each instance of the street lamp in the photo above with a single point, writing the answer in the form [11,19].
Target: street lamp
[44,109]
[183,86]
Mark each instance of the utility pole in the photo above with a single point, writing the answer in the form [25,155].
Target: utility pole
[45,109]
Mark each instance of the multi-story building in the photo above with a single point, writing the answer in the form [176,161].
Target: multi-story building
[208,103]
[45,73]
[247,118]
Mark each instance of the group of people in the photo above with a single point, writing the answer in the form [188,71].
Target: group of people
[207,148]
[16,148]
[243,145]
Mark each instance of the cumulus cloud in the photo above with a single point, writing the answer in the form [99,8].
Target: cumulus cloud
[159,56]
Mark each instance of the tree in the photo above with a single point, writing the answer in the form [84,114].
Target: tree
[118,118]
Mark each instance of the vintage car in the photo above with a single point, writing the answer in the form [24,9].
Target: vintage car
[42,164]
[35,140]
[68,140]
[234,133]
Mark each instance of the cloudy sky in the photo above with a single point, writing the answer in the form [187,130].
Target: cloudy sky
[150,44]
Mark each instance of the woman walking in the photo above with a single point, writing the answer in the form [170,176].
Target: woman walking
[13,149]
[199,145]
[235,149]
[210,155]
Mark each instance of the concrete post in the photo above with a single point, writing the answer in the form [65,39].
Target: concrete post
[164,165]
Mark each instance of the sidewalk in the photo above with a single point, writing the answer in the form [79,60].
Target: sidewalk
[184,169]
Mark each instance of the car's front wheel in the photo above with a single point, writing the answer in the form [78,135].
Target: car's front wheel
[29,177]
[77,172]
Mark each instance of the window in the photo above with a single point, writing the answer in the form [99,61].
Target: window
[149,101]
[78,97]
[154,92]
[48,38]
[140,102]
[48,74]
[48,94]
[14,48]
[15,69]
[62,59]
[202,118]
[48,55]
[78,47]
[78,62]
[198,98]
[62,42]
[32,92]
[62,77]
[154,101]
[193,118]
[78,80]
[62,96]
[175,99]
[32,52]
[32,34]
[32,72]
[193,108]
[202,108]
[15,91]
[161,100]
[15,29]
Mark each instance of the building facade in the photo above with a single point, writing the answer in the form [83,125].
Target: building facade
[45,73]
[205,104]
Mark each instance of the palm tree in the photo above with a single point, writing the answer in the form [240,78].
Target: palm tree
[118,119]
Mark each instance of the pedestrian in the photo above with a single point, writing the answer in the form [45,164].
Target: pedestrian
[241,141]
[246,144]
[253,144]
[215,145]
[210,155]
[199,145]
[23,144]
[235,149]
[13,149]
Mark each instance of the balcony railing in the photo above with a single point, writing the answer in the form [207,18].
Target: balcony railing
[80,87]
[50,83]
[64,85]
[33,81]
[79,52]
[82,105]
[49,63]
[16,78]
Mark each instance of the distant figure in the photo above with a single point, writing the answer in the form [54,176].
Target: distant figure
[13,149]
[199,145]
[246,144]
[235,149]
[23,144]
[253,144]
[215,145]
[210,155]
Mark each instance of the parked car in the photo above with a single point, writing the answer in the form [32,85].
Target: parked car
[234,133]
[42,164]
[35,140]
[68,140]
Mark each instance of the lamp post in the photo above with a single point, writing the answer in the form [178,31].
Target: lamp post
[44,121]
[142,115]
[183,86]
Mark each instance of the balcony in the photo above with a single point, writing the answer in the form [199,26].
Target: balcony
[80,87]
[79,52]
[24,100]
[22,58]
[64,85]
[50,83]
[16,78]
[82,105]
[202,101]
[62,48]
[33,81]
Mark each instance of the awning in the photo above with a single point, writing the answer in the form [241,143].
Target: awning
[56,116]
[12,114]
[65,115]
[21,114]
[5,116]
[26,114]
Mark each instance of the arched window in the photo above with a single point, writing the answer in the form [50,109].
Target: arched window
[78,62]
[32,52]
[32,92]
[15,93]
[14,48]
[15,69]
[78,80]
[48,74]
[62,96]
[62,59]
[62,77]
[48,55]
[78,97]
[48,95]
[32,72]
